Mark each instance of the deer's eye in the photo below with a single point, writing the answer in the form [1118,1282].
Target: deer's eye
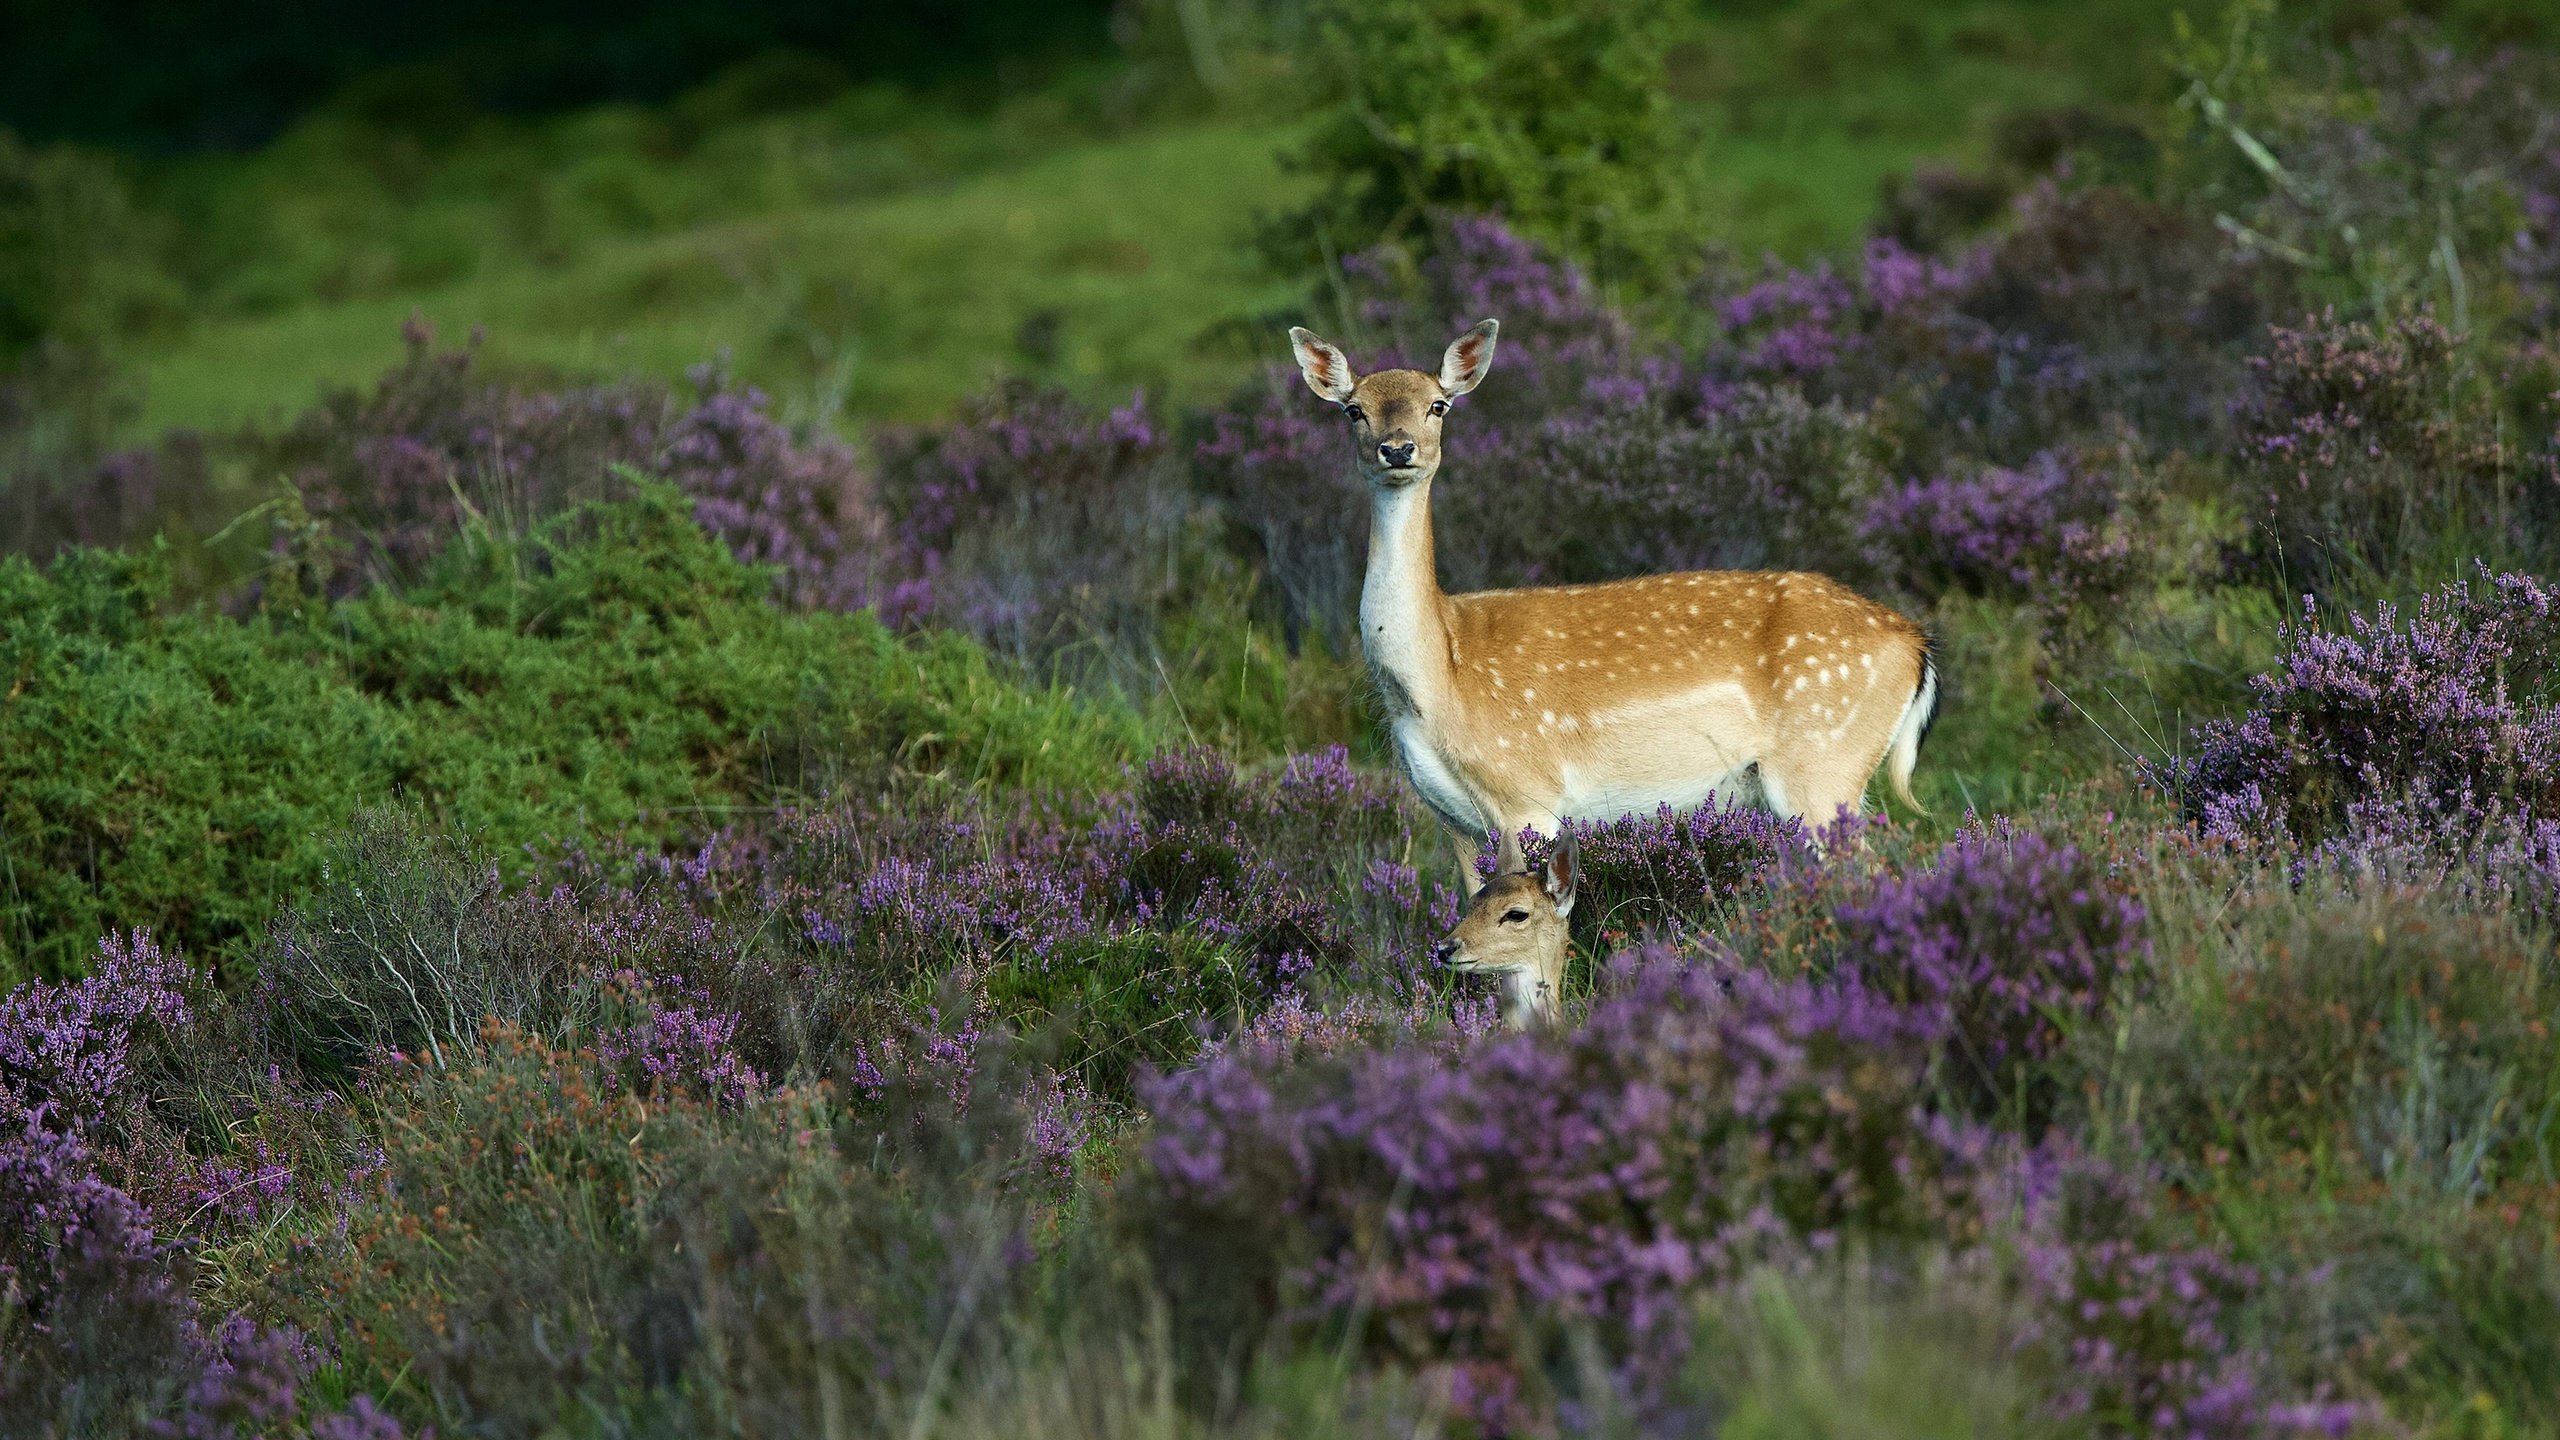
[1515,917]
[1355,412]
[1439,407]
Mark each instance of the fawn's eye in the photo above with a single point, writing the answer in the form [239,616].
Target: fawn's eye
[1515,917]
[1355,413]
[1439,407]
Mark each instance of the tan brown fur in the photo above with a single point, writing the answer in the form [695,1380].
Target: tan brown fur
[1515,930]
[1522,708]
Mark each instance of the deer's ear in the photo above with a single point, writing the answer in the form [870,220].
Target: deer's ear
[1327,369]
[1563,873]
[1469,356]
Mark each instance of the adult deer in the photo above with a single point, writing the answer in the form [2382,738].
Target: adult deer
[1515,708]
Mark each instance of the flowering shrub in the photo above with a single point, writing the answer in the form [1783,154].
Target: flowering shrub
[67,1050]
[1032,522]
[2103,311]
[2447,717]
[387,478]
[1754,478]
[1698,1116]
[2094,307]
[1185,902]
[1560,344]
[1038,892]
[2052,534]
[101,1332]
[2363,452]
[2009,942]
[2139,1333]
[83,1283]
[670,1036]
[1672,871]
[801,504]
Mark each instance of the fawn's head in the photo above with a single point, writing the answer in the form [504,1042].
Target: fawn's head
[1515,929]
[1395,414]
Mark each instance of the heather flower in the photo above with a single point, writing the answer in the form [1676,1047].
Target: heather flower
[98,1326]
[1675,872]
[2363,451]
[939,1082]
[2092,307]
[237,1191]
[800,504]
[1558,340]
[77,1256]
[2449,711]
[2008,942]
[250,1383]
[1698,1116]
[2053,534]
[391,476]
[1033,522]
[1277,462]
[70,1048]
[2137,1332]
[672,1035]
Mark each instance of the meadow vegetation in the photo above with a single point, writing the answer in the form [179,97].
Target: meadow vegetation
[601,898]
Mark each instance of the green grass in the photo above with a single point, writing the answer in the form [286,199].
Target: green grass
[892,308]
[878,259]
[1810,108]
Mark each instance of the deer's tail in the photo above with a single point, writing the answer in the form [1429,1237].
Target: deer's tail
[1903,753]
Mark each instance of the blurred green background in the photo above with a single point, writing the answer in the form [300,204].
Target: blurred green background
[872,211]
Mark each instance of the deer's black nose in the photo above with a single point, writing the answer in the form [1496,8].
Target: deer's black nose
[1396,453]
[1443,949]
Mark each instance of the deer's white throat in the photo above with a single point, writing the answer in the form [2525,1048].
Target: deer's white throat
[1403,631]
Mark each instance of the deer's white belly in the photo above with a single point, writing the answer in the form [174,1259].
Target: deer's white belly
[1674,751]
[1602,798]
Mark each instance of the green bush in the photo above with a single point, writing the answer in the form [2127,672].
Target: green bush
[79,273]
[1550,112]
[78,260]
[616,673]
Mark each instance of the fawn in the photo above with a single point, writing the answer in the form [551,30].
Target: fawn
[1526,708]
[1515,928]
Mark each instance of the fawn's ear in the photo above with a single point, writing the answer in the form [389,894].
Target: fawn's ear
[1327,369]
[1469,356]
[1563,873]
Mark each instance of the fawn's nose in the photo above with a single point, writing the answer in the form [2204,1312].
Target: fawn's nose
[1396,454]
[1443,951]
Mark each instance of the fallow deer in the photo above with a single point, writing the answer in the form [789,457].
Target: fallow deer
[1515,929]
[1524,708]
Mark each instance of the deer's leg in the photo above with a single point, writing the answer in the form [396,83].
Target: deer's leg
[1467,847]
[1815,795]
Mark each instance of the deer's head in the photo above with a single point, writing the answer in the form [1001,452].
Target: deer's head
[1515,929]
[1395,414]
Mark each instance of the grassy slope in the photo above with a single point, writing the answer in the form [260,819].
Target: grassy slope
[1809,108]
[841,265]
[928,288]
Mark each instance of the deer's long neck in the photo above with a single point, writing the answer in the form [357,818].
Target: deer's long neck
[1527,999]
[1404,621]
